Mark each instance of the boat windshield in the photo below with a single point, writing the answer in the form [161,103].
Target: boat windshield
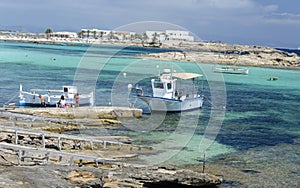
[158,85]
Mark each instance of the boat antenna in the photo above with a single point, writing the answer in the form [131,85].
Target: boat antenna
[171,73]
[202,84]
[204,161]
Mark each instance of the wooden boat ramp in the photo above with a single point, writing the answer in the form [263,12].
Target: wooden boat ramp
[32,145]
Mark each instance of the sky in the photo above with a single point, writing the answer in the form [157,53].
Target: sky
[274,23]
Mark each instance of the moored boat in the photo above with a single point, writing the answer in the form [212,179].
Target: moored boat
[52,97]
[230,70]
[272,78]
[170,96]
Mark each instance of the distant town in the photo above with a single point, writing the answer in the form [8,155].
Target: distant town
[94,36]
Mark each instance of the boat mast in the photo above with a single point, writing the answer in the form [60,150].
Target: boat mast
[171,73]
[157,66]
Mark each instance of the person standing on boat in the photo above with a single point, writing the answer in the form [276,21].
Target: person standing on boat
[43,103]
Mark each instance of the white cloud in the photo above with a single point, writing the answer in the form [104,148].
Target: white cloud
[283,18]
[270,8]
[228,4]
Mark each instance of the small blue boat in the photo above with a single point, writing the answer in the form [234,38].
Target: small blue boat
[52,97]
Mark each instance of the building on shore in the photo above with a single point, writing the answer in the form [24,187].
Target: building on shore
[168,35]
[99,35]
[93,33]
[63,34]
[179,35]
[155,36]
[106,34]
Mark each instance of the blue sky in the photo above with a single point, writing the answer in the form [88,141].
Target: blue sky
[273,23]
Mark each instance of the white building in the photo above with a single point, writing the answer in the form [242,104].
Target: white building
[155,36]
[106,34]
[123,35]
[169,35]
[63,34]
[94,33]
[178,35]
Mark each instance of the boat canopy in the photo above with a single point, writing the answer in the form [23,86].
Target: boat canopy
[186,75]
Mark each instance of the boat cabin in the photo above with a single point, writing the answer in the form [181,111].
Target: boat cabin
[53,96]
[166,85]
[69,91]
[164,88]
[173,92]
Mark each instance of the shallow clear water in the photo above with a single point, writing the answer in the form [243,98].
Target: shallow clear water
[261,127]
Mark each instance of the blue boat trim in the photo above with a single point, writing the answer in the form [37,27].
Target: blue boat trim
[166,99]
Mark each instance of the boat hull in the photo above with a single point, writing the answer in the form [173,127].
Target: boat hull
[31,100]
[231,70]
[172,105]
[30,104]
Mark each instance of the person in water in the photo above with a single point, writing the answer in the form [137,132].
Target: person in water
[43,103]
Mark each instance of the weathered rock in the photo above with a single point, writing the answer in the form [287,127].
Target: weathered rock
[119,176]
[99,112]
[154,176]
[216,53]
[170,177]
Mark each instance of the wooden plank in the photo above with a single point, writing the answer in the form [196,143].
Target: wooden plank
[24,149]
[19,131]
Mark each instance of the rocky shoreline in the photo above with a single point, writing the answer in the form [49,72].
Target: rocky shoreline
[199,52]
[30,160]
[225,54]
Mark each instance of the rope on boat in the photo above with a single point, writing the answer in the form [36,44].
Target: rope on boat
[206,99]
[8,102]
[212,105]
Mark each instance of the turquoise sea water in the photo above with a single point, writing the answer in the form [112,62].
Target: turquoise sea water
[258,139]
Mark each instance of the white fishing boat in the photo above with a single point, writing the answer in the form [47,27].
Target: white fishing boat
[170,95]
[52,97]
[227,69]
[230,70]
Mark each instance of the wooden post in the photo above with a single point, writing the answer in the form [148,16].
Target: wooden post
[80,163]
[104,144]
[19,157]
[92,145]
[23,154]
[43,140]
[47,155]
[204,160]
[16,137]
[59,158]
[80,145]
[97,163]
[15,122]
[71,161]
[58,143]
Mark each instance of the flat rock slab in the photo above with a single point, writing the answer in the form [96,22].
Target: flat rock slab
[99,112]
